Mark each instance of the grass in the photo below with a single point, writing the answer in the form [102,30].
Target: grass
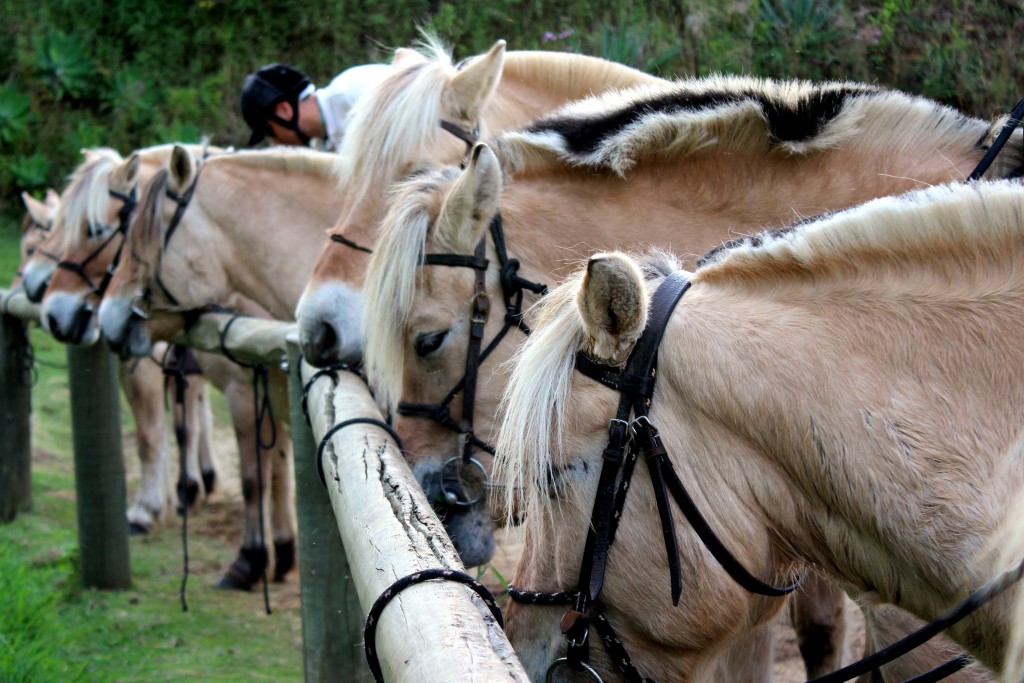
[51,629]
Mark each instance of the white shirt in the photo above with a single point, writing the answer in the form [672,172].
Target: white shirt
[337,98]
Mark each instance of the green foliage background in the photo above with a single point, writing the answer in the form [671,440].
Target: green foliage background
[131,73]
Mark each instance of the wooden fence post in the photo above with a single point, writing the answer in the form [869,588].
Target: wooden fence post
[15,408]
[99,467]
[332,621]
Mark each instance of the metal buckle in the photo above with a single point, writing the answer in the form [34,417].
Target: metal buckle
[449,473]
[564,663]
[481,304]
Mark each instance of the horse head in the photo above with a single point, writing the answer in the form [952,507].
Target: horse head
[35,227]
[92,233]
[418,322]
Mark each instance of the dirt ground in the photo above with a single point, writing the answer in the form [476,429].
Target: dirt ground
[219,520]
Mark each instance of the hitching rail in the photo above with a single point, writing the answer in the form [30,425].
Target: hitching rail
[431,631]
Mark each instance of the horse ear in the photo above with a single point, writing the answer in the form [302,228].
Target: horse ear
[472,88]
[52,198]
[125,175]
[472,201]
[612,302]
[181,170]
[41,213]
[406,56]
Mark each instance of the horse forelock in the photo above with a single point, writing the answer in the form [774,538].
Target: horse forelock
[390,284]
[392,122]
[85,198]
[618,129]
[950,228]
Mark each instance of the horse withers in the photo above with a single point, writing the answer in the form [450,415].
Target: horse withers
[841,393]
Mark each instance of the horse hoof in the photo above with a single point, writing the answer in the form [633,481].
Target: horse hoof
[246,570]
[209,481]
[284,559]
[188,494]
[136,529]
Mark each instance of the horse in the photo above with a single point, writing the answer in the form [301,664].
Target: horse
[686,165]
[842,393]
[142,384]
[91,244]
[427,112]
[247,234]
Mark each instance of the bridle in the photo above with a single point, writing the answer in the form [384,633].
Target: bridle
[631,433]
[124,216]
[512,287]
[182,201]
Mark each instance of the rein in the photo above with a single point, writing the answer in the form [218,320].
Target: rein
[629,438]
[78,267]
[513,288]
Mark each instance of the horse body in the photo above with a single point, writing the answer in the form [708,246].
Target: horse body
[394,130]
[842,393]
[246,241]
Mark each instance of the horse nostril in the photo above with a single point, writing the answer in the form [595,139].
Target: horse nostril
[326,342]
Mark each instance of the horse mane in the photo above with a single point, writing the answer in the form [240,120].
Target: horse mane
[145,232]
[284,159]
[372,154]
[534,402]
[616,130]
[84,198]
[951,228]
[391,282]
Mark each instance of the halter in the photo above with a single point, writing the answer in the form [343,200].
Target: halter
[512,288]
[78,267]
[44,228]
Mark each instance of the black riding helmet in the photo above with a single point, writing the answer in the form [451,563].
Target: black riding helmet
[262,90]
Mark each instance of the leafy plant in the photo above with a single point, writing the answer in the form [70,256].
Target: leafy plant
[63,64]
[30,172]
[14,114]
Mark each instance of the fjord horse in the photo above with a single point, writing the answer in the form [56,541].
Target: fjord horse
[427,112]
[686,166]
[242,235]
[142,383]
[843,393]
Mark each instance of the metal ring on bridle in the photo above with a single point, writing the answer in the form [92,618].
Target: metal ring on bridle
[452,497]
[564,663]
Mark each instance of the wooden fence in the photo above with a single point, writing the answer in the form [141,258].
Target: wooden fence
[372,526]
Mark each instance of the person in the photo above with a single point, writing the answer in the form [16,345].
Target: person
[279,102]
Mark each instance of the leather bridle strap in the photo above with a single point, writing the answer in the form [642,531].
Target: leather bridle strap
[341,239]
[997,145]
[470,137]
[78,267]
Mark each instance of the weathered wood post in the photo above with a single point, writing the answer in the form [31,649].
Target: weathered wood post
[332,621]
[15,425]
[99,467]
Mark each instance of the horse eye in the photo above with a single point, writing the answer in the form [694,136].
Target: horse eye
[426,344]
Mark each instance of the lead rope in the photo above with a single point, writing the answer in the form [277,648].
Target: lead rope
[176,371]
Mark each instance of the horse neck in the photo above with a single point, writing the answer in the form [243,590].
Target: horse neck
[835,463]
[267,226]
[535,83]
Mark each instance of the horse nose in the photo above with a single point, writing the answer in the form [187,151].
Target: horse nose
[321,349]
[34,287]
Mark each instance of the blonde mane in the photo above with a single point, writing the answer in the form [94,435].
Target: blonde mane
[391,281]
[281,159]
[371,154]
[84,200]
[616,130]
[948,230]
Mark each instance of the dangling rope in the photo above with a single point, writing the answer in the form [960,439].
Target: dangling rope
[176,370]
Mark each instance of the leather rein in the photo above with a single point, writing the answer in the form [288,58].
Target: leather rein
[631,433]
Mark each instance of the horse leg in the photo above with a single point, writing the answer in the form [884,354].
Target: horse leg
[207,460]
[283,526]
[885,624]
[748,659]
[252,559]
[143,387]
[818,613]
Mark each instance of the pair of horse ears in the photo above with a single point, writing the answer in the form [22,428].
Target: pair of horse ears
[612,302]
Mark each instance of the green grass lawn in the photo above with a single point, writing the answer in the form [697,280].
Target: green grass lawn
[51,629]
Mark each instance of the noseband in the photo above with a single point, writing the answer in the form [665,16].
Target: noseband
[512,287]
[124,216]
